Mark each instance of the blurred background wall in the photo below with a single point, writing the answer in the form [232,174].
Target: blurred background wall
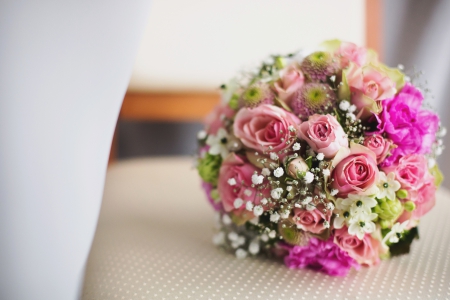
[197,45]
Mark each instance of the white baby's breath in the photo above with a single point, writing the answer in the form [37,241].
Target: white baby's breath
[309,177]
[278,172]
[238,203]
[257,179]
[265,172]
[231,181]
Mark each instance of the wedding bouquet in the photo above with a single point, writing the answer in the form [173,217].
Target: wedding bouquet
[325,159]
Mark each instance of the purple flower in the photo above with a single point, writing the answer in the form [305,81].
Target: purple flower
[323,256]
[208,187]
[409,126]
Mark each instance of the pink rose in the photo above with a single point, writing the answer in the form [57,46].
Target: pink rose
[312,220]
[266,128]
[379,145]
[291,81]
[366,87]
[216,118]
[324,134]
[357,173]
[412,172]
[366,251]
[414,177]
[349,52]
[235,182]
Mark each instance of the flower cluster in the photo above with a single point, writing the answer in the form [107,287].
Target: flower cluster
[327,160]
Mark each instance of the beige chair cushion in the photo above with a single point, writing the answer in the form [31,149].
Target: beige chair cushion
[153,241]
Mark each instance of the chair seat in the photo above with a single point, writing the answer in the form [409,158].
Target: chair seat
[153,241]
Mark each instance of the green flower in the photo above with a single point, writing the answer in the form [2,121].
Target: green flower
[388,211]
[438,177]
[313,98]
[319,65]
[256,94]
[208,168]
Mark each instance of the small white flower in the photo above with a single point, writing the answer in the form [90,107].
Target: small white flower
[352,108]
[394,235]
[431,162]
[296,146]
[231,181]
[276,193]
[291,128]
[272,234]
[238,203]
[344,105]
[307,200]
[326,172]
[362,201]
[442,132]
[355,209]
[249,206]
[226,219]
[439,150]
[248,192]
[333,78]
[334,192]
[330,206]
[284,214]
[387,186]
[310,207]
[201,135]
[258,210]
[400,66]
[264,237]
[241,253]
[253,248]
[218,143]
[233,236]
[265,172]
[289,188]
[273,156]
[264,201]
[326,224]
[320,156]
[257,179]
[275,217]
[240,240]
[278,172]
[309,177]
[351,116]
[362,224]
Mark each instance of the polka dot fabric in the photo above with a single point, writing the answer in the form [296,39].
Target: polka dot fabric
[153,241]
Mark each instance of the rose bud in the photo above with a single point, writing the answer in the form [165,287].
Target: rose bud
[379,145]
[296,166]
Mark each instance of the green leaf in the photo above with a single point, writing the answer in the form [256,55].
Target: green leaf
[404,245]
[308,161]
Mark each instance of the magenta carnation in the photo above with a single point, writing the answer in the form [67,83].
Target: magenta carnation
[410,127]
[323,256]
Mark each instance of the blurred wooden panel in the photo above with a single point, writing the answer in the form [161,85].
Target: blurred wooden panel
[374,27]
[168,106]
